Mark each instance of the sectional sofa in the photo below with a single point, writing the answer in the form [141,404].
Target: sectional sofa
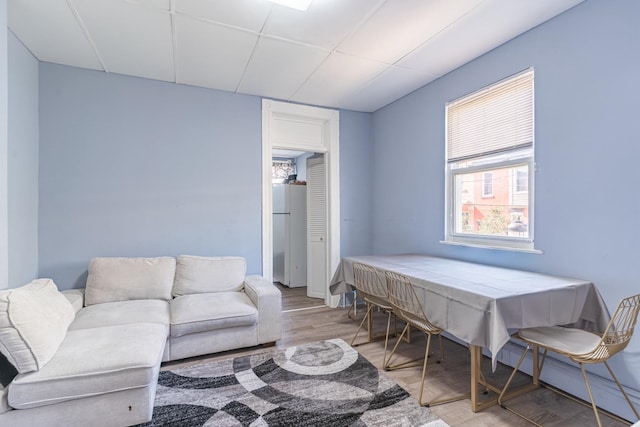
[91,357]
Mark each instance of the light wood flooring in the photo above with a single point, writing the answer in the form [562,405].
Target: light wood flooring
[305,320]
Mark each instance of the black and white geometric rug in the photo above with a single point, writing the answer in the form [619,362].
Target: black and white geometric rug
[321,384]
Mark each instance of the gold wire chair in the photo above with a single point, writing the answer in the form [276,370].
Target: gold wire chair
[407,307]
[371,286]
[581,347]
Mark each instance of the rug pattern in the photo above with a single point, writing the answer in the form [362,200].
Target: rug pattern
[321,384]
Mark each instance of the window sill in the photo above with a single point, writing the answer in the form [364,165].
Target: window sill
[486,246]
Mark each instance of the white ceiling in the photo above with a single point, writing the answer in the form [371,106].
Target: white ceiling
[351,54]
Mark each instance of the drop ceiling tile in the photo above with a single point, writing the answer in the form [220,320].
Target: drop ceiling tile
[390,85]
[248,14]
[50,31]
[468,38]
[278,68]
[156,4]
[210,55]
[339,77]
[130,39]
[324,24]
[399,27]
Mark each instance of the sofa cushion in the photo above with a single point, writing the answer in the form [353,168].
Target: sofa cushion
[122,279]
[198,275]
[75,297]
[33,322]
[91,362]
[123,313]
[208,312]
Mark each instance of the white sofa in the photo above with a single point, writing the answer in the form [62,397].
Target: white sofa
[91,357]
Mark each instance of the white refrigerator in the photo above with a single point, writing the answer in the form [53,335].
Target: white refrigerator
[290,235]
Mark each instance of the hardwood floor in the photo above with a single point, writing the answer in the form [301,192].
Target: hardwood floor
[296,298]
[305,321]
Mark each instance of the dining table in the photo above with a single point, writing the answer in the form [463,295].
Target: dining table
[482,305]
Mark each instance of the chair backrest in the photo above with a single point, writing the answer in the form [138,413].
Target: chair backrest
[619,331]
[405,301]
[368,281]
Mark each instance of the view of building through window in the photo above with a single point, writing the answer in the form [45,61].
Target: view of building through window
[493,203]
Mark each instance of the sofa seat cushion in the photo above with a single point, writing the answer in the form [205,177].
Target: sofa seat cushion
[208,312]
[123,313]
[33,322]
[91,362]
[122,279]
[199,275]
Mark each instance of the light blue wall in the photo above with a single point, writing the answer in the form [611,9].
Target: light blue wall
[23,164]
[301,166]
[4,211]
[135,167]
[586,199]
[356,161]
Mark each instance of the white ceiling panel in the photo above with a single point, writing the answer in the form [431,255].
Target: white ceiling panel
[392,84]
[248,14]
[278,68]
[468,37]
[156,4]
[324,24]
[140,44]
[337,78]
[64,43]
[399,27]
[211,55]
[355,54]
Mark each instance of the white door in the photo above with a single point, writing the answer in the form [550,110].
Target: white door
[316,227]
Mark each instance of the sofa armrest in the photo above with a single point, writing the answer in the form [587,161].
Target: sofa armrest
[268,300]
[75,297]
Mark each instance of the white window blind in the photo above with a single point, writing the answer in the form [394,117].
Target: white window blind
[493,120]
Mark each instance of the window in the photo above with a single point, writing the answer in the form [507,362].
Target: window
[522,181]
[487,184]
[490,166]
[281,169]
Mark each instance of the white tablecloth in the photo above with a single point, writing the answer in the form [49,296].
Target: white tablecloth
[482,305]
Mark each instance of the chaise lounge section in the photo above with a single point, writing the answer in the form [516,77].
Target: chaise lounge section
[92,356]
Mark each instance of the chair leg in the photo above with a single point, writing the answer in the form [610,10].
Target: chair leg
[386,339]
[364,319]
[513,374]
[424,370]
[593,403]
[407,364]
[506,386]
[624,393]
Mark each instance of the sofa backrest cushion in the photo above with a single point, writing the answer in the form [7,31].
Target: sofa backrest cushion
[33,322]
[123,279]
[198,275]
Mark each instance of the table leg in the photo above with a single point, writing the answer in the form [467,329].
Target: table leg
[477,380]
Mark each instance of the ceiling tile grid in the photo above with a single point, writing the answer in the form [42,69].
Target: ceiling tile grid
[352,54]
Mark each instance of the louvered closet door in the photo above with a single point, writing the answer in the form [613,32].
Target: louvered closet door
[316,227]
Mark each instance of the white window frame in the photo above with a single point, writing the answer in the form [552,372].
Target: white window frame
[515,243]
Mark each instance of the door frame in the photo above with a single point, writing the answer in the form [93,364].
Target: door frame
[310,129]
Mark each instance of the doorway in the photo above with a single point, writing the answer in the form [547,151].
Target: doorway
[289,202]
[288,126]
